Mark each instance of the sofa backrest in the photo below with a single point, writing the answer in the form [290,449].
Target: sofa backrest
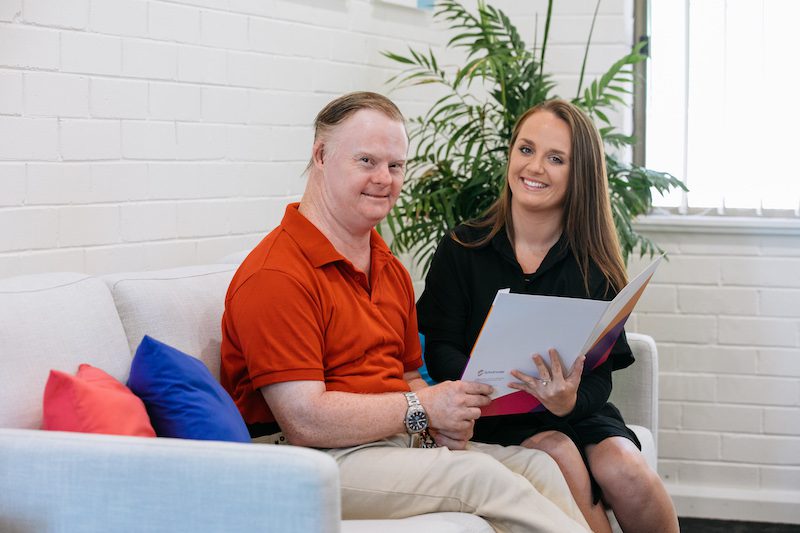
[53,321]
[181,307]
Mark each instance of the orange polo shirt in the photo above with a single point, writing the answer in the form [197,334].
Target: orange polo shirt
[298,310]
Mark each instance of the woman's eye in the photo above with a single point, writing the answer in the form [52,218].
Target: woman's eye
[526,150]
[557,160]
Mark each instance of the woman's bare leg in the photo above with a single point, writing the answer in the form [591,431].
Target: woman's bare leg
[566,454]
[631,488]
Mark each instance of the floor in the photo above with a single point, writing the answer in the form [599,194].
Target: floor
[702,525]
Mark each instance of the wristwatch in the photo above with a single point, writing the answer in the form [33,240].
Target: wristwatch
[416,420]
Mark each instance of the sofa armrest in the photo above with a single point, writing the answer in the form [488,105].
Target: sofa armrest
[635,390]
[648,444]
[55,481]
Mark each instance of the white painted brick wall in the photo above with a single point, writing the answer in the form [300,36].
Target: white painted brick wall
[730,401]
[715,475]
[57,183]
[119,17]
[119,181]
[175,181]
[90,53]
[763,449]
[149,140]
[169,22]
[56,95]
[727,418]
[26,46]
[778,362]
[202,65]
[226,104]
[10,92]
[201,140]
[88,224]
[174,101]
[10,9]
[59,13]
[148,221]
[715,359]
[149,59]
[783,478]
[12,184]
[115,98]
[90,139]
[28,139]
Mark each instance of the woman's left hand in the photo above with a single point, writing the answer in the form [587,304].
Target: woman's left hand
[557,392]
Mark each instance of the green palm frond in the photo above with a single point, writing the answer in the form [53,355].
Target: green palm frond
[458,166]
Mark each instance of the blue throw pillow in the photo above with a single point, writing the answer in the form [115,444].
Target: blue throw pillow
[423,370]
[182,397]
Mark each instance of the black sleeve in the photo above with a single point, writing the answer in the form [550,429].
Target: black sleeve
[593,391]
[442,313]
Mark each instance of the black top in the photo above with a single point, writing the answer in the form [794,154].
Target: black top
[460,288]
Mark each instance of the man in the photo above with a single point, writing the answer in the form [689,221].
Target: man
[320,348]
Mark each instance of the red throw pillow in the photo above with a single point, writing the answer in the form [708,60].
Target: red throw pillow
[93,402]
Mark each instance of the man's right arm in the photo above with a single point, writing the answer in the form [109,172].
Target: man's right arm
[311,416]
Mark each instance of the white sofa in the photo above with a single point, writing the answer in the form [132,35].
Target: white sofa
[56,481]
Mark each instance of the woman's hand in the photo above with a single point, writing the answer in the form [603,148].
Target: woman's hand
[557,392]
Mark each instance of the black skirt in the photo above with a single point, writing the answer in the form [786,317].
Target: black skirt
[514,429]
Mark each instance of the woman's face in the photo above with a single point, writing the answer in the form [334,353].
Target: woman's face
[538,169]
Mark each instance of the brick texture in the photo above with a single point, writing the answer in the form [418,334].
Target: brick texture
[730,400]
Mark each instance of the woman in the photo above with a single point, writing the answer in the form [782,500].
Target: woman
[550,232]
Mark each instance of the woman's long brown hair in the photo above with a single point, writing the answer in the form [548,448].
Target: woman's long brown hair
[587,221]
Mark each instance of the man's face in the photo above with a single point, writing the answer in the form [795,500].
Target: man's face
[363,169]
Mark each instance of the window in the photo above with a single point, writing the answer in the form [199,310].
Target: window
[722,104]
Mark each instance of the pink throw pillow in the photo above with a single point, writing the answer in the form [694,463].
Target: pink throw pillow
[93,402]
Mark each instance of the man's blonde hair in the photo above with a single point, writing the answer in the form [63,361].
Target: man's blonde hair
[347,105]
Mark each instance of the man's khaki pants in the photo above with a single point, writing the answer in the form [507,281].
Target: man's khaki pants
[514,488]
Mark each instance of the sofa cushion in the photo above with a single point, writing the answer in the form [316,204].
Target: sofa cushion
[181,396]
[445,522]
[93,402]
[53,321]
[181,307]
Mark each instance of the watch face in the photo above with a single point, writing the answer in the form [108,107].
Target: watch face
[416,421]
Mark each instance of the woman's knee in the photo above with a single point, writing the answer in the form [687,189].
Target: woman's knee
[554,443]
[618,466]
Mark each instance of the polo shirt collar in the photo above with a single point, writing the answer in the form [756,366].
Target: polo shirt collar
[316,246]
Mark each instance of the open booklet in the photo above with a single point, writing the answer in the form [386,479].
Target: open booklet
[520,325]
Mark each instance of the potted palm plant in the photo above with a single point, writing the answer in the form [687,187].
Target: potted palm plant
[458,164]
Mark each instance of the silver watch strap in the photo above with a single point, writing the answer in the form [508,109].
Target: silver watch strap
[411,398]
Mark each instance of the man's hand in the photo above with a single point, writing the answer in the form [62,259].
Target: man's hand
[452,408]
[450,442]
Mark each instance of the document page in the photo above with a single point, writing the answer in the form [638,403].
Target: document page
[521,325]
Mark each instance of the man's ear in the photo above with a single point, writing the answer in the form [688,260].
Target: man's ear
[318,153]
